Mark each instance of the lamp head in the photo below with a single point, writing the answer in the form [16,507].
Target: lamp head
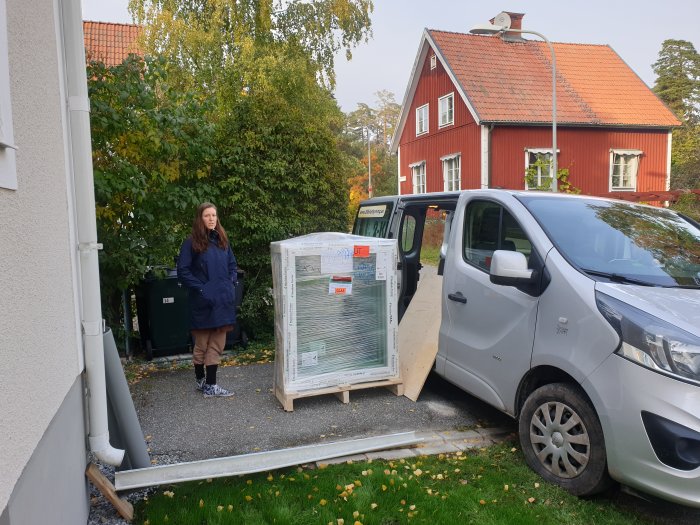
[487,29]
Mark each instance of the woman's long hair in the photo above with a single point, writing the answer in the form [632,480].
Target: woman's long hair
[200,233]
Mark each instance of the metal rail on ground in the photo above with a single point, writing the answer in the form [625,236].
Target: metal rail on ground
[257,462]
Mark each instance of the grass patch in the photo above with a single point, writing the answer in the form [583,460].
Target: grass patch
[488,486]
[430,255]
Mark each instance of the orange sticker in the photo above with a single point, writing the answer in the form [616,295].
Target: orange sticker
[361,251]
[340,291]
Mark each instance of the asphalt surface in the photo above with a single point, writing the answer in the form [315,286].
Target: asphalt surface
[180,423]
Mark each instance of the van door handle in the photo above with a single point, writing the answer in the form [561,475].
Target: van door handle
[457,297]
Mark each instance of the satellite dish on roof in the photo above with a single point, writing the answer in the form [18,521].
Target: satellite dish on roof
[503,20]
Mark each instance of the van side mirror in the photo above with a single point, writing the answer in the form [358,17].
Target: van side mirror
[509,268]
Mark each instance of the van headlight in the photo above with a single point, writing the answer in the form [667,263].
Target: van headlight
[651,342]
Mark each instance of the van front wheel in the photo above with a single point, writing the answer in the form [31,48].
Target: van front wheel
[562,439]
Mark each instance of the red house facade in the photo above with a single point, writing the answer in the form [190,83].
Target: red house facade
[478,113]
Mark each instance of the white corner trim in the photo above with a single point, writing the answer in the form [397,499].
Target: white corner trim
[668,160]
[485,154]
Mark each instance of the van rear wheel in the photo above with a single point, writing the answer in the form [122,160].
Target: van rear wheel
[562,439]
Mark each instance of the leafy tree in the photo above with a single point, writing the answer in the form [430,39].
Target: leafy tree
[379,123]
[280,171]
[204,37]
[152,152]
[678,85]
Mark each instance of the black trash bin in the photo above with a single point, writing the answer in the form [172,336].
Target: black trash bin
[162,309]
[238,336]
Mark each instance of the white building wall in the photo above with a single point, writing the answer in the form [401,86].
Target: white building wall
[40,342]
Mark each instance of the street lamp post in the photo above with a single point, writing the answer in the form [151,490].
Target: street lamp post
[492,29]
[369,166]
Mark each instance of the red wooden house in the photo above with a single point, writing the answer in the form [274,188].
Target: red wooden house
[478,112]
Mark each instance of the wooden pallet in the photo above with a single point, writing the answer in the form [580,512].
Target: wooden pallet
[342,392]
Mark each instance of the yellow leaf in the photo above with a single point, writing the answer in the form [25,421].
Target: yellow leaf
[201,503]
[355,514]
[219,508]
[418,472]
[383,487]
[374,506]
[249,498]
[249,481]
[505,487]
[537,485]
[270,477]
[230,508]
[322,502]
[531,500]
[412,507]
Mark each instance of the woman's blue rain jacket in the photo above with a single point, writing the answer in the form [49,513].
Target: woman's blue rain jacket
[211,277]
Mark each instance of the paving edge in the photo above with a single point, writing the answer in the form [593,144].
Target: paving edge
[434,442]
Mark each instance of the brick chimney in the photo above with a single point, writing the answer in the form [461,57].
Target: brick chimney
[516,22]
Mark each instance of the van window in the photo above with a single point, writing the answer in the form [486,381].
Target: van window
[489,227]
[373,220]
[621,240]
[408,233]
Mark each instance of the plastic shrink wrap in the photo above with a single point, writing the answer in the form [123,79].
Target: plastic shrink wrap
[335,300]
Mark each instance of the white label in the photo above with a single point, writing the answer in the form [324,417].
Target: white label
[340,288]
[382,264]
[368,212]
[168,300]
[309,359]
[337,261]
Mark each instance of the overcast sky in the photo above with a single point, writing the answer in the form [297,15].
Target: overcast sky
[634,29]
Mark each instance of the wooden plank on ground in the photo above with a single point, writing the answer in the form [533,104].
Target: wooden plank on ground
[418,332]
[124,508]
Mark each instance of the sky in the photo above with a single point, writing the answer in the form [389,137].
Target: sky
[635,29]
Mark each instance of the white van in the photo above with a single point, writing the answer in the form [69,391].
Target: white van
[580,317]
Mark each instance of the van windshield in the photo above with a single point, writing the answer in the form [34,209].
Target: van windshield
[621,241]
[373,220]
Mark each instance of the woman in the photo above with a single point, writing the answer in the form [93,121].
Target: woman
[208,268]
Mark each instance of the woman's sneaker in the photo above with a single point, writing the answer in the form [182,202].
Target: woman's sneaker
[215,391]
[199,384]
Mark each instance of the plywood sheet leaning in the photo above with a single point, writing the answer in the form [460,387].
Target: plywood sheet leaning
[418,332]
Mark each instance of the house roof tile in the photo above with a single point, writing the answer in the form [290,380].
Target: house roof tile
[109,42]
[512,82]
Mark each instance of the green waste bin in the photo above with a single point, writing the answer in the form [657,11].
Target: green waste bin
[163,314]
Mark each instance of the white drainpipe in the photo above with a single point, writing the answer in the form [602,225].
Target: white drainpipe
[81,144]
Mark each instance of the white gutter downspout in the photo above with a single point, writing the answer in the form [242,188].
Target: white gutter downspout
[91,312]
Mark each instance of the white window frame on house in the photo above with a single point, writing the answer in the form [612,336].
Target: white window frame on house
[624,165]
[446,110]
[418,176]
[433,62]
[8,166]
[452,172]
[422,120]
[537,152]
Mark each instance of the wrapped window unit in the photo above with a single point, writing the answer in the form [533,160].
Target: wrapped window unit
[335,310]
